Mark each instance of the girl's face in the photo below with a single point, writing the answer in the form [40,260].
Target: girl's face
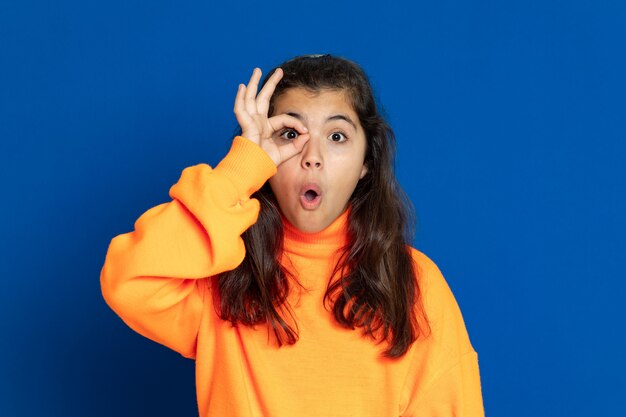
[313,187]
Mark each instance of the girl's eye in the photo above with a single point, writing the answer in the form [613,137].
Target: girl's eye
[338,137]
[289,134]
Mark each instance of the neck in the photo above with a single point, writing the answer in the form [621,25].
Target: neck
[318,244]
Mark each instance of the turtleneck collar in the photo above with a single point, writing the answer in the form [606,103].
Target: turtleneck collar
[319,244]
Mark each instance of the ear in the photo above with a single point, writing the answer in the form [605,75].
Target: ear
[363,171]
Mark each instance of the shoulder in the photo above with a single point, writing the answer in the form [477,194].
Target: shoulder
[432,284]
[440,306]
[423,263]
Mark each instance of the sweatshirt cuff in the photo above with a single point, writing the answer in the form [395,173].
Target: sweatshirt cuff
[247,166]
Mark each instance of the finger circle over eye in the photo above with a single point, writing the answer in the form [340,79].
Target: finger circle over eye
[286,121]
[289,134]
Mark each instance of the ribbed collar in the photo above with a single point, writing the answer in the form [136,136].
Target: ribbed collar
[320,244]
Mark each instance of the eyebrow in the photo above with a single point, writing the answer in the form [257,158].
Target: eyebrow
[331,118]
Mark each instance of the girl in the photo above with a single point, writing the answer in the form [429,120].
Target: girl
[286,270]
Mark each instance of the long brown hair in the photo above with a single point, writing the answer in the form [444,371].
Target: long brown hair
[377,287]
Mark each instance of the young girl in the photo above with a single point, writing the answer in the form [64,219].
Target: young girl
[286,270]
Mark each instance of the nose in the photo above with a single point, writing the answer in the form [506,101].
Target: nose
[312,154]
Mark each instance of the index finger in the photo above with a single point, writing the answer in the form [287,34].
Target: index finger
[263,98]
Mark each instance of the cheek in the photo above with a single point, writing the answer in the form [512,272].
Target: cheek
[351,166]
[274,185]
[348,177]
[279,183]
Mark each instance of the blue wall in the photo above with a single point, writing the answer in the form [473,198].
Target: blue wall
[510,118]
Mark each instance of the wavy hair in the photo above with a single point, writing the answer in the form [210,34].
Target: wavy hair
[376,287]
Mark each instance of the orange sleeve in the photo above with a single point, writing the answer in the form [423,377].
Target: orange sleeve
[454,392]
[155,277]
[444,380]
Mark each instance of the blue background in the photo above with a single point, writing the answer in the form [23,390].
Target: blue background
[510,118]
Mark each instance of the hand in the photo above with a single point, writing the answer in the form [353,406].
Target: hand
[251,112]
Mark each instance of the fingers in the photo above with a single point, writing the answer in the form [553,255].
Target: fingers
[246,99]
[251,110]
[260,104]
[241,90]
[284,120]
[288,148]
[243,117]
[263,99]
[292,148]
[251,89]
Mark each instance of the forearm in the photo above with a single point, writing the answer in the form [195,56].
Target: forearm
[152,277]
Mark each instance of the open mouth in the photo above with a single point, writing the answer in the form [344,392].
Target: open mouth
[310,195]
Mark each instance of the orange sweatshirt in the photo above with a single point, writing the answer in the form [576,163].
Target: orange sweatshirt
[158,278]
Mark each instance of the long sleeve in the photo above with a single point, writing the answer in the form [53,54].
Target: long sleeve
[455,392]
[155,277]
[444,378]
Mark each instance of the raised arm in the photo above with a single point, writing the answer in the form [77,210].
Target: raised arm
[154,278]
